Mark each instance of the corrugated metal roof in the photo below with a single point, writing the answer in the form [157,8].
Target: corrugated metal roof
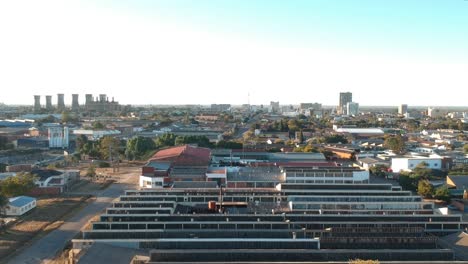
[21,201]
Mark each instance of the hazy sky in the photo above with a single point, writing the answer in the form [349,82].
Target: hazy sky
[201,51]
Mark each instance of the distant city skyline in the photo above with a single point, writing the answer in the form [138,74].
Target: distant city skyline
[203,52]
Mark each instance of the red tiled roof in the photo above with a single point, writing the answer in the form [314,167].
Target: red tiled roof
[184,155]
[168,153]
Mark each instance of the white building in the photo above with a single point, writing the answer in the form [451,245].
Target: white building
[408,164]
[402,109]
[151,182]
[96,134]
[434,112]
[20,205]
[335,177]
[58,137]
[352,109]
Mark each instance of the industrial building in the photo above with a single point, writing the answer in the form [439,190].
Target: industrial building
[101,104]
[75,104]
[37,103]
[322,222]
[48,102]
[268,207]
[58,137]
[60,102]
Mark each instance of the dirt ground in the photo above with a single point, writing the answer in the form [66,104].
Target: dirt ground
[48,215]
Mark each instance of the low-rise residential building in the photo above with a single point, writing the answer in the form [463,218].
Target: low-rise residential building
[56,179]
[20,205]
[369,162]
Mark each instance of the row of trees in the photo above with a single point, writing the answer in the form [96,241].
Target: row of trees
[169,139]
[418,180]
[395,143]
[139,147]
[103,148]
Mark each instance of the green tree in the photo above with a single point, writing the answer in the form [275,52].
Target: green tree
[442,193]
[3,167]
[166,140]
[407,182]
[47,119]
[465,148]
[421,171]
[66,117]
[17,185]
[336,139]
[310,148]
[98,125]
[379,170]
[3,203]
[81,141]
[425,188]
[294,125]
[3,142]
[229,144]
[91,171]
[139,146]
[109,148]
[395,143]
[201,141]
[300,138]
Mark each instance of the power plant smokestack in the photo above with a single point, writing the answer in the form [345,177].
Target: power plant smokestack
[75,104]
[60,102]
[37,103]
[48,102]
[89,99]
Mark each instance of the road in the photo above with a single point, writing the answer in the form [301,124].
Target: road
[47,247]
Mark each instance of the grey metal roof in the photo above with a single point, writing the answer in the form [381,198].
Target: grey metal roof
[195,184]
[461,181]
[21,201]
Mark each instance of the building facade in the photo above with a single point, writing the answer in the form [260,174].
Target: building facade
[345,98]
[352,109]
[58,137]
[409,164]
[402,109]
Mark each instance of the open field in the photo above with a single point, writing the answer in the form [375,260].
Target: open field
[49,248]
[49,214]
